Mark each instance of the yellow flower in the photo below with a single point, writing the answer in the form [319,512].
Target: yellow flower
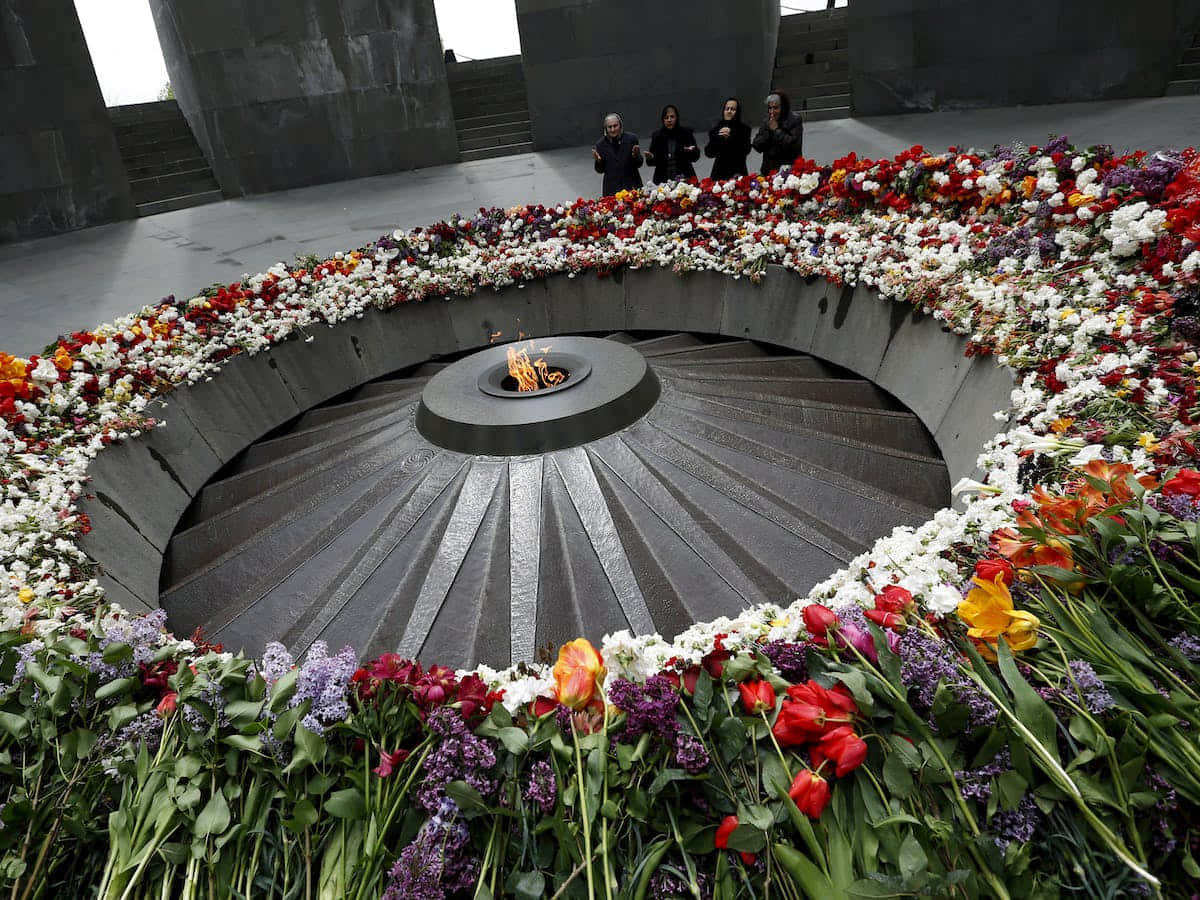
[1148,441]
[1058,426]
[838,176]
[1066,314]
[578,670]
[989,614]
[25,595]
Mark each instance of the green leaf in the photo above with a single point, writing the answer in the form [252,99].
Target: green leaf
[665,777]
[304,814]
[214,818]
[346,804]
[896,776]
[465,796]
[187,766]
[912,856]
[758,816]
[282,729]
[516,742]
[649,866]
[282,690]
[702,696]
[115,687]
[731,738]
[244,742]
[747,839]
[13,725]
[812,880]
[526,885]
[1011,788]
[243,712]
[1030,709]
[121,715]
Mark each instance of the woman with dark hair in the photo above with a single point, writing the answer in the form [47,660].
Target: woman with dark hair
[781,138]
[729,142]
[672,148]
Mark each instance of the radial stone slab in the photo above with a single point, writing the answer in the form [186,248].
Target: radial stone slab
[665,480]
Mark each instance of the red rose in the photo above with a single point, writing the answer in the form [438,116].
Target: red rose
[894,599]
[819,620]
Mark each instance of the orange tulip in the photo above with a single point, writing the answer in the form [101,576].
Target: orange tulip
[577,672]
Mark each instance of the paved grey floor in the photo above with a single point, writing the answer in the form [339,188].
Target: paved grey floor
[78,280]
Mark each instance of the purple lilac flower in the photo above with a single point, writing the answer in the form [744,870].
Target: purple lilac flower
[1088,688]
[1188,645]
[438,863]
[324,680]
[459,756]
[976,784]
[542,788]
[690,753]
[670,884]
[212,696]
[788,659]
[926,662]
[1164,815]
[649,708]
[276,662]
[25,654]
[142,634]
[1016,824]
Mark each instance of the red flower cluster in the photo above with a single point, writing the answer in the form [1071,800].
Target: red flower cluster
[438,686]
[823,720]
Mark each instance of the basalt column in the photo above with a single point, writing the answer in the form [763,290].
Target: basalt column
[285,93]
[584,58]
[59,164]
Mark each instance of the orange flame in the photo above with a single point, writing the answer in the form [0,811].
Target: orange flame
[531,375]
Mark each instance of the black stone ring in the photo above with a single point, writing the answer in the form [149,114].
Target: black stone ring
[467,406]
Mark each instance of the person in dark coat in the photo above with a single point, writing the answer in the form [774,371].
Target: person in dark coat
[780,140]
[672,148]
[729,142]
[618,157]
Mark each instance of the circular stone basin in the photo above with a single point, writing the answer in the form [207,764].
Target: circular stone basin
[468,407]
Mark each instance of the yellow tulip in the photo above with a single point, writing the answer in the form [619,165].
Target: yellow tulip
[578,670]
[989,614]
[25,595]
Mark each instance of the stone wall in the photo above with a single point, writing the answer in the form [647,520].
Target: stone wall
[286,93]
[919,55]
[59,164]
[584,58]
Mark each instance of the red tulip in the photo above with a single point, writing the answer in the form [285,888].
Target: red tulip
[388,761]
[819,620]
[843,747]
[1186,481]
[728,825]
[894,599]
[810,792]
[991,569]
[167,704]
[884,619]
[757,696]
[543,706]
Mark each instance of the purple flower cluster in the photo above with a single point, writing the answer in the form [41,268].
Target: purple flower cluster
[649,708]
[1165,814]
[276,662]
[669,884]
[1150,179]
[1087,687]
[459,756]
[145,730]
[143,634]
[324,680]
[788,659]
[976,784]
[25,654]
[1188,645]
[1181,506]
[210,695]
[926,662]
[438,863]
[1018,824]
[541,790]
[690,753]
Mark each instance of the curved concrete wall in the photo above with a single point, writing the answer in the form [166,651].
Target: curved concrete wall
[583,58]
[285,93]
[142,487]
[914,55]
[60,168]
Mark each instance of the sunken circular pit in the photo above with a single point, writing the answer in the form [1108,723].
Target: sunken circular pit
[665,478]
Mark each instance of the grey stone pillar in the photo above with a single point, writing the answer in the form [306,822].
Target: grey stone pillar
[913,55]
[59,164]
[584,58]
[285,93]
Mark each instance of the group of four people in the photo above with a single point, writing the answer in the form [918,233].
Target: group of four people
[673,148]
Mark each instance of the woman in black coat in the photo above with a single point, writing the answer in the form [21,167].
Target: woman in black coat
[672,148]
[729,143]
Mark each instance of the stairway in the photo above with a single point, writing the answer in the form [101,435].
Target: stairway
[491,111]
[757,474]
[164,164]
[812,63]
[1185,80]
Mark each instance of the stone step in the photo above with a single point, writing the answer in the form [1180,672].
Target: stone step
[159,110]
[798,366]
[510,105]
[492,89]
[464,123]
[830,101]
[1186,72]
[667,343]
[473,68]
[1191,55]
[508,74]
[177,184]
[834,59]
[795,77]
[493,152]
[131,153]
[143,132]
[824,115]
[710,352]
[803,91]
[812,42]
[152,170]
[519,134]
[185,202]
[493,130]
[176,151]
[817,18]
[1185,88]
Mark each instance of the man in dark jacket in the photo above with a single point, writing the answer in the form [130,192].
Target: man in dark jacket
[780,140]
[618,157]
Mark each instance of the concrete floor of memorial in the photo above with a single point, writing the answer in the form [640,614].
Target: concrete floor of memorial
[78,280]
